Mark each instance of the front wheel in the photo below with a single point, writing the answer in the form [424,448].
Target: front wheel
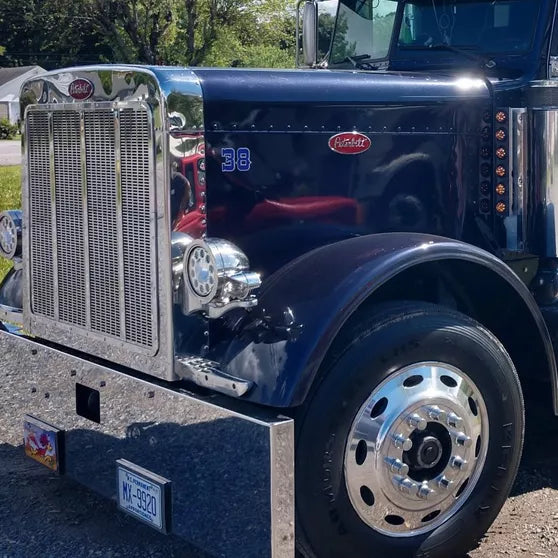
[409,444]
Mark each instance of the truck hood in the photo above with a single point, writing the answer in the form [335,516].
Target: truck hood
[335,86]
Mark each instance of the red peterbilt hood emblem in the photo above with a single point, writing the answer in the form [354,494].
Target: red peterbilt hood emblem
[81,89]
[349,143]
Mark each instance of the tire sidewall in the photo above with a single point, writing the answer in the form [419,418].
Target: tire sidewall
[323,504]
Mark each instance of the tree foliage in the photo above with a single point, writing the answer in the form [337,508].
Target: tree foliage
[55,33]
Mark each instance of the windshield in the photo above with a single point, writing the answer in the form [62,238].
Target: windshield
[487,26]
[363,30]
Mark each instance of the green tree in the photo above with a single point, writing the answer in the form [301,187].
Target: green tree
[51,33]
[137,30]
[55,33]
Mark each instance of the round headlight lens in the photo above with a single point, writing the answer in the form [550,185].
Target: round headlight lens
[201,271]
[10,234]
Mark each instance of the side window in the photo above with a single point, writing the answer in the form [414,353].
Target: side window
[554,46]
[553,70]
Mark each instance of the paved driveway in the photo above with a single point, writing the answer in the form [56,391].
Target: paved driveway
[10,153]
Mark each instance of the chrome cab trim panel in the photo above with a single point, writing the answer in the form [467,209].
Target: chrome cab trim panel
[543,230]
[172,100]
[518,149]
[218,453]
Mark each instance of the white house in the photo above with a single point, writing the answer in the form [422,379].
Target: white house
[11,80]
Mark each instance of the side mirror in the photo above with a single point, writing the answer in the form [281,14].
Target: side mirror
[310,33]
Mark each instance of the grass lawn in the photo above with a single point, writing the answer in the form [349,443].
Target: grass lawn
[10,198]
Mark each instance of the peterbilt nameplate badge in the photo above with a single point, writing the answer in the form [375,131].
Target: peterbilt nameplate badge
[349,143]
[81,89]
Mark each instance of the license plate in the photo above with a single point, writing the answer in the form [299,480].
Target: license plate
[43,443]
[144,495]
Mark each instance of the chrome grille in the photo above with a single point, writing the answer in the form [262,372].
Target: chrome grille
[91,225]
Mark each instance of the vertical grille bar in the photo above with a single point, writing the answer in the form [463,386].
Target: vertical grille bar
[53,215]
[69,218]
[84,211]
[119,239]
[40,214]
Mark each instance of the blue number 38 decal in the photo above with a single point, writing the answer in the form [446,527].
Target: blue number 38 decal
[235,159]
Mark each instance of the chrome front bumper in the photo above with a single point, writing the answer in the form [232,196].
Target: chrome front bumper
[231,466]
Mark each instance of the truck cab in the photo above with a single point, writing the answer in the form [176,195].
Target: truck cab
[334,281]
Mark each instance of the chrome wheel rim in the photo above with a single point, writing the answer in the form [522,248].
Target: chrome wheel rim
[416,449]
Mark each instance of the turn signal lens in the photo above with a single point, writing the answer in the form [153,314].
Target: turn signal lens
[501,116]
[501,153]
[501,171]
[500,207]
[500,189]
[501,134]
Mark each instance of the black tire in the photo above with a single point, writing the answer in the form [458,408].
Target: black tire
[396,335]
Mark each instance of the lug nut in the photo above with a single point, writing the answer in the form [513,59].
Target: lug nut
[444,482]
[416,421]
[402,442]
[437,414]
[424,491]
[397,466]
[458,463]
[405,485]
[463,440]
[454,421]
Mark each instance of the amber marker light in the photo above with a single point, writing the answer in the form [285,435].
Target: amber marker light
[501,153]
[500,207]
[501,171]
[500,189]
[501,134]
[501,116]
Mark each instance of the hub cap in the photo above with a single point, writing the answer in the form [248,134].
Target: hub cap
[8,236]
[416,449]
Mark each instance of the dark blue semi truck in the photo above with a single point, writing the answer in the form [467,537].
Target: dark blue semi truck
[293,311]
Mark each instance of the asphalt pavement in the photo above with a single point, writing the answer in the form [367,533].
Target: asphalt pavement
[10,152]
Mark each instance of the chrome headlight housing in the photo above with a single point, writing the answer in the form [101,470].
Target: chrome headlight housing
[217,278]
[10,234]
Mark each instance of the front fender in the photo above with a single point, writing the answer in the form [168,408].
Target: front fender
[321,290]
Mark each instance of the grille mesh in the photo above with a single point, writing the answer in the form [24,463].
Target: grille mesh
[69,218]
[92,232]
[102,217]
[40,214]
[134,142]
